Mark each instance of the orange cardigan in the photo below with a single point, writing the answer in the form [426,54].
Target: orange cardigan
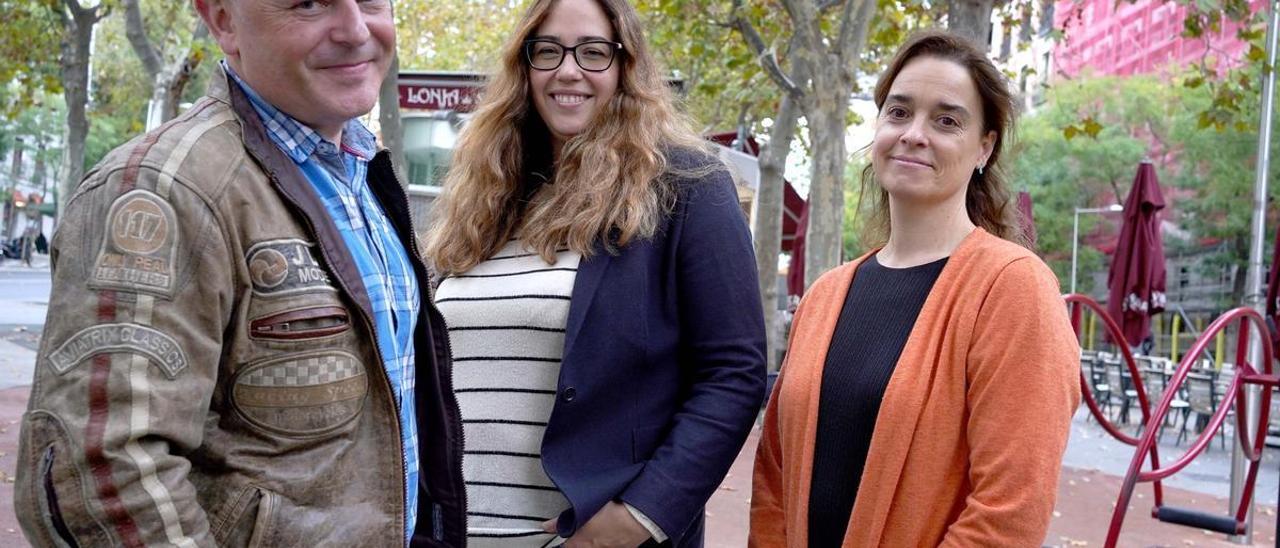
[969,439]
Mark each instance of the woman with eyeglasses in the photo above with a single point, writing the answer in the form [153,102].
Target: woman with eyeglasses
[599,287]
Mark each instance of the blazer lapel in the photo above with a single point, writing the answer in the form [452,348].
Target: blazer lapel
[590,273]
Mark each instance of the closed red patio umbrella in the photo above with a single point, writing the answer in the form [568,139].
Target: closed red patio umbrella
[795,273]
[1136,281]
[1027,219]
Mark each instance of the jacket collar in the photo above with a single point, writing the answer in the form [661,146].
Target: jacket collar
[291,183]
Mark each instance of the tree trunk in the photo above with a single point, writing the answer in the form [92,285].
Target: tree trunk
[826,119]
[167,82]
[971,19]
[389,120]
[136,32]
[769,212]
[1046,16]
[79,24]
[172,83]
[1240,248]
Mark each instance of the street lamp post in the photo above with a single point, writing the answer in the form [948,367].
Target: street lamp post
[1075,234]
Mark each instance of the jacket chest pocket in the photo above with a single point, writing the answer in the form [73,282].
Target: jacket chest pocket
[310,322]
[303,371]
[293,298]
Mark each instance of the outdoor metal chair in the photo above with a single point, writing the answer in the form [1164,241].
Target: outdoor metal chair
[1203,393]
[1155,377]
[1097,375]
[1121,382]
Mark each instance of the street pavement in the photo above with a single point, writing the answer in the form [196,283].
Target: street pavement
[1093,467]
[24,299]
[24,291]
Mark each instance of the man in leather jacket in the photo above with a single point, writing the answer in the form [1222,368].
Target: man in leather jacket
[240,350]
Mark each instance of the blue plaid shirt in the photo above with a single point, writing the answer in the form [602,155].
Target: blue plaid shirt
[339,176]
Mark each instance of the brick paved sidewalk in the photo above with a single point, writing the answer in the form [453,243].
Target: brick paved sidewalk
[1085,500]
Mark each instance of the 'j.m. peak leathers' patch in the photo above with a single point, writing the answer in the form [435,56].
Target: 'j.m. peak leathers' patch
[286,266]
[138,247]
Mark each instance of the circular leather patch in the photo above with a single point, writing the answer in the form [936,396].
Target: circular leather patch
[268,267]
[301,394]
[139,226]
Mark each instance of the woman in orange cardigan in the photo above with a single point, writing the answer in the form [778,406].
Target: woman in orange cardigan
[929,385]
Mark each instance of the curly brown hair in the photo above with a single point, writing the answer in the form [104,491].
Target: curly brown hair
[608,184]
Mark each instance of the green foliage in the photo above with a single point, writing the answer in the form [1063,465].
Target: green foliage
[108,133]
[853,244]
[462,35]
[1228,84]
[1063,171]
[30,35]
[1207,173]
[724,83]
[893,23]
[122,88]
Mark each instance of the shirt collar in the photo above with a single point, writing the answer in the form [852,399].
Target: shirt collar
[297,139]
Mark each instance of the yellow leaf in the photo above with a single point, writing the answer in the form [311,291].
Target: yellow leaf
[1092,128]
[1256,53]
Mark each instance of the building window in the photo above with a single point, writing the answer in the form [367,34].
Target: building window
[428,144]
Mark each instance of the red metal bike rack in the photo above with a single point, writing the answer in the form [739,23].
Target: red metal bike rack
[1245,374]
[1078,304]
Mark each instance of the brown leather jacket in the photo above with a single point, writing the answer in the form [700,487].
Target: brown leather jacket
[209,373]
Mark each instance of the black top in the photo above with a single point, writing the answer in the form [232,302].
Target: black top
[878,314]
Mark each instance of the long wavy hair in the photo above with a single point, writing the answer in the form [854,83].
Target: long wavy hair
[987,198]
[609,185]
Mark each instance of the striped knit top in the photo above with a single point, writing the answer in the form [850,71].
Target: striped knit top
[506,322]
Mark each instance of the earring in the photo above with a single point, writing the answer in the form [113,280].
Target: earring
[979,170]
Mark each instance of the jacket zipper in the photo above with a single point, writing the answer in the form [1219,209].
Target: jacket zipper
[446,380]
[377,347]
[51,499]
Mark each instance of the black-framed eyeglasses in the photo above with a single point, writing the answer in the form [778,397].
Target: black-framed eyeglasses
[593,56]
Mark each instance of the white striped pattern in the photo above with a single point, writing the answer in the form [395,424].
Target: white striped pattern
[506,320]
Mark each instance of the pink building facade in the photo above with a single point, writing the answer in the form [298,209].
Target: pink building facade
[1118,38]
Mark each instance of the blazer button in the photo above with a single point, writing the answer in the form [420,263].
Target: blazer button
[569,394]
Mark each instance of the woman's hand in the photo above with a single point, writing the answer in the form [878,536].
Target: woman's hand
[612,527]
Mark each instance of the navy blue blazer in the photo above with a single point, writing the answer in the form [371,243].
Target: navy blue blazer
[664,365]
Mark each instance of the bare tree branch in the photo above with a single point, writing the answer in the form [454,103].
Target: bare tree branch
[805,23]
[766,56]
[971,19]
[176,77]
[847,26]
[136,31]
[853,34]
[93,14]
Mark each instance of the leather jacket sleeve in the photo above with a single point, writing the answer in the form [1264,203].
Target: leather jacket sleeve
[143,289]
